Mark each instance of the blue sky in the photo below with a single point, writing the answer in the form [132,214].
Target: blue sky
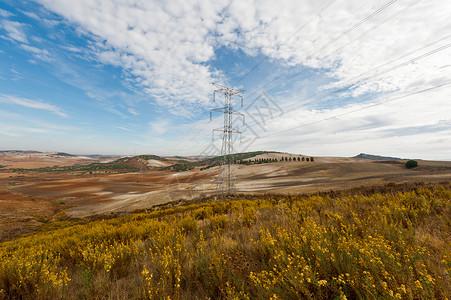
[323,78]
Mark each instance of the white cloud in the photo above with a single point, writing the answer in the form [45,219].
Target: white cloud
[53,126]
[168,45]
[124,128]
[168,49]
[71,48]
[42,54]
[33,104]
[47,22]
[17,131]
[159,127]
[31,15]
[14,30]
[164,44]
[5,14]
[417,127]
[132,111]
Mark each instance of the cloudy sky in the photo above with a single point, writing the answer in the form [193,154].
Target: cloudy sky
[320,77]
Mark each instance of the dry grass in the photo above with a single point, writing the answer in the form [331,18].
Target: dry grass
[390,243]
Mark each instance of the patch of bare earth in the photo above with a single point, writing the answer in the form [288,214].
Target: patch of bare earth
[29,196]
[20,214]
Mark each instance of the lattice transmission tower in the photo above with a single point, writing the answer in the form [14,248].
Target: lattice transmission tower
[226,176]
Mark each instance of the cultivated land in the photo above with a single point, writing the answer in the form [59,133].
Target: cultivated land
[335,228]
[37,188]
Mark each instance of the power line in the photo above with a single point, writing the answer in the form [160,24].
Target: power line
[360,109]
[349,84]
[299,29]
[409,61]
[378,11]
[332,41]
[364,20]
[376,25]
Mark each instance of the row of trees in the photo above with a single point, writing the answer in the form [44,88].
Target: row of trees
[258,161]
[271,160]
[299,158]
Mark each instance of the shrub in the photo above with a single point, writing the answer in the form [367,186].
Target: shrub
[187,224]
[381,245]
[411,164]
[218,222]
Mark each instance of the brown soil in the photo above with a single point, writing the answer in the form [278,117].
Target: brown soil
[29,199]
[33,160]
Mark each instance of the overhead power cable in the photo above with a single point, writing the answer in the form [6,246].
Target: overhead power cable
[299,29]
[359,109]
[378,11]
[356,110]
[350,84]
[332,41]
[364,20]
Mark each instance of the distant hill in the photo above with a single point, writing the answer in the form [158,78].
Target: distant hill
[375,157]
[64,154]
[235,156]
[100,156]
[20,151]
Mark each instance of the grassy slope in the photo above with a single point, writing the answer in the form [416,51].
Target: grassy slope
[136,163]
[359,244]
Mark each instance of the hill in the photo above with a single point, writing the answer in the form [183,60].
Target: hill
[375,157]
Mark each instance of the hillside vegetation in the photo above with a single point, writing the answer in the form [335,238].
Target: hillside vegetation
[364,244]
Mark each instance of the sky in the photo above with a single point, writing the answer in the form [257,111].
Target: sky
[318,77]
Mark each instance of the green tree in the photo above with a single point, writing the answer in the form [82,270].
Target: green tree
[411,164]
[311,159]
[303,158]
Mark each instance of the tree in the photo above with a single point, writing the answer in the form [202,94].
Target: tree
[311,159]
[303,158]
[299,159]
[411,164]
[307,159]
[290,158]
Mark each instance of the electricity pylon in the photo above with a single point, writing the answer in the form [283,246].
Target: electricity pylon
[226,177]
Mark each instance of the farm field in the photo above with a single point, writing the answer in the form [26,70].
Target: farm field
[32,195]
[389,242]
